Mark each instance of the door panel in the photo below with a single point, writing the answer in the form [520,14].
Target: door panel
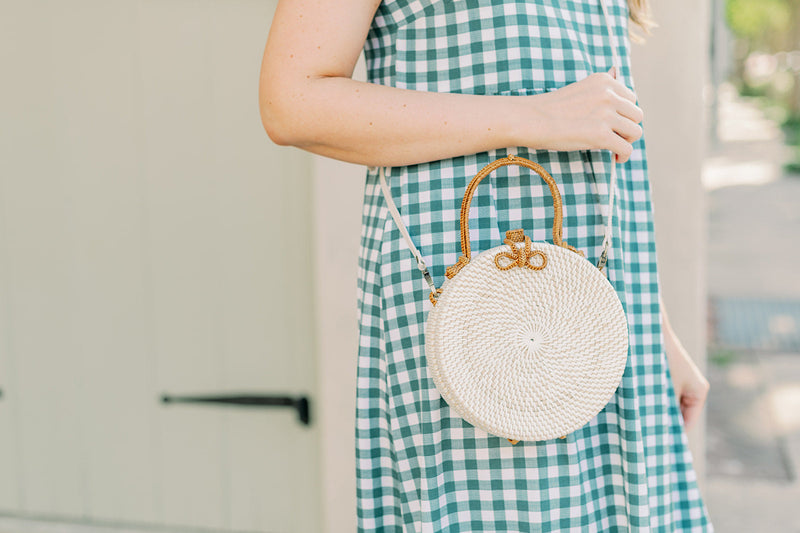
[154,241]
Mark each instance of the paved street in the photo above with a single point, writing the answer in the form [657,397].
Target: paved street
[753,440]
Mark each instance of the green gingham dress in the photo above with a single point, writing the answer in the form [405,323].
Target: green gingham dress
[419,466]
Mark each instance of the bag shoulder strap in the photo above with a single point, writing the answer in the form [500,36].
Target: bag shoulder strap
[387,195]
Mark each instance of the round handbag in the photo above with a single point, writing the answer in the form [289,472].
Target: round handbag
[527,340]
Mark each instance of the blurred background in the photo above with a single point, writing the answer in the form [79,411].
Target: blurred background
[178,294]
[751,177]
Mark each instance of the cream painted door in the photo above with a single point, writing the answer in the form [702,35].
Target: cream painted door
[152,241]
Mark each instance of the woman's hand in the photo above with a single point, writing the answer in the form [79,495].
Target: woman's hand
[691,387]
[595,113]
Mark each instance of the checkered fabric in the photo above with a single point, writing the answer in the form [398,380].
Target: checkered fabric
[422,468]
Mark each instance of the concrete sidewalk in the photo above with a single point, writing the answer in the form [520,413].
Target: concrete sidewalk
[753,438]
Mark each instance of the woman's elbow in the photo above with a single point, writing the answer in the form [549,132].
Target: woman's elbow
[271,118]
[274,108]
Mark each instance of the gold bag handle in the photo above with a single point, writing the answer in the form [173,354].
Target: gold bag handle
[558,215]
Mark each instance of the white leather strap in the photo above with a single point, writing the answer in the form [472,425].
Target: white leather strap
[612,184]
[611,187]
[387,194]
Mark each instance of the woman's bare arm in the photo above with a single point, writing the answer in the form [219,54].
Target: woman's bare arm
[308,100]
[690,385]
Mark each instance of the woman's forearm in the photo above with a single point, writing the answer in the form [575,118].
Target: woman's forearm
[672,345]
[308,99]
[371,124]
[670,341]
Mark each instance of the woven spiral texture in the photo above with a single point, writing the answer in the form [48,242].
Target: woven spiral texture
[527,354]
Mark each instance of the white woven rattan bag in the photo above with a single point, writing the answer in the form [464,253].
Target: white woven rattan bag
[527,340]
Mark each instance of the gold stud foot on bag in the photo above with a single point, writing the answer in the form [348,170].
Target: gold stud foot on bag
[434,296]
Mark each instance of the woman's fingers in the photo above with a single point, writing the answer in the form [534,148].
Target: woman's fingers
[630,111]
[619,146]
[627,129]
[617,86]
[620,140]
[626,126]
[623,91]
[691,408]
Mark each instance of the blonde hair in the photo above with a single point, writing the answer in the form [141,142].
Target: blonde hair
[639,13]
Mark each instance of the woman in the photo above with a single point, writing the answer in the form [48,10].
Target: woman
[451,87]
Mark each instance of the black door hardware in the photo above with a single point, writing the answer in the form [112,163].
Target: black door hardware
[250,400]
